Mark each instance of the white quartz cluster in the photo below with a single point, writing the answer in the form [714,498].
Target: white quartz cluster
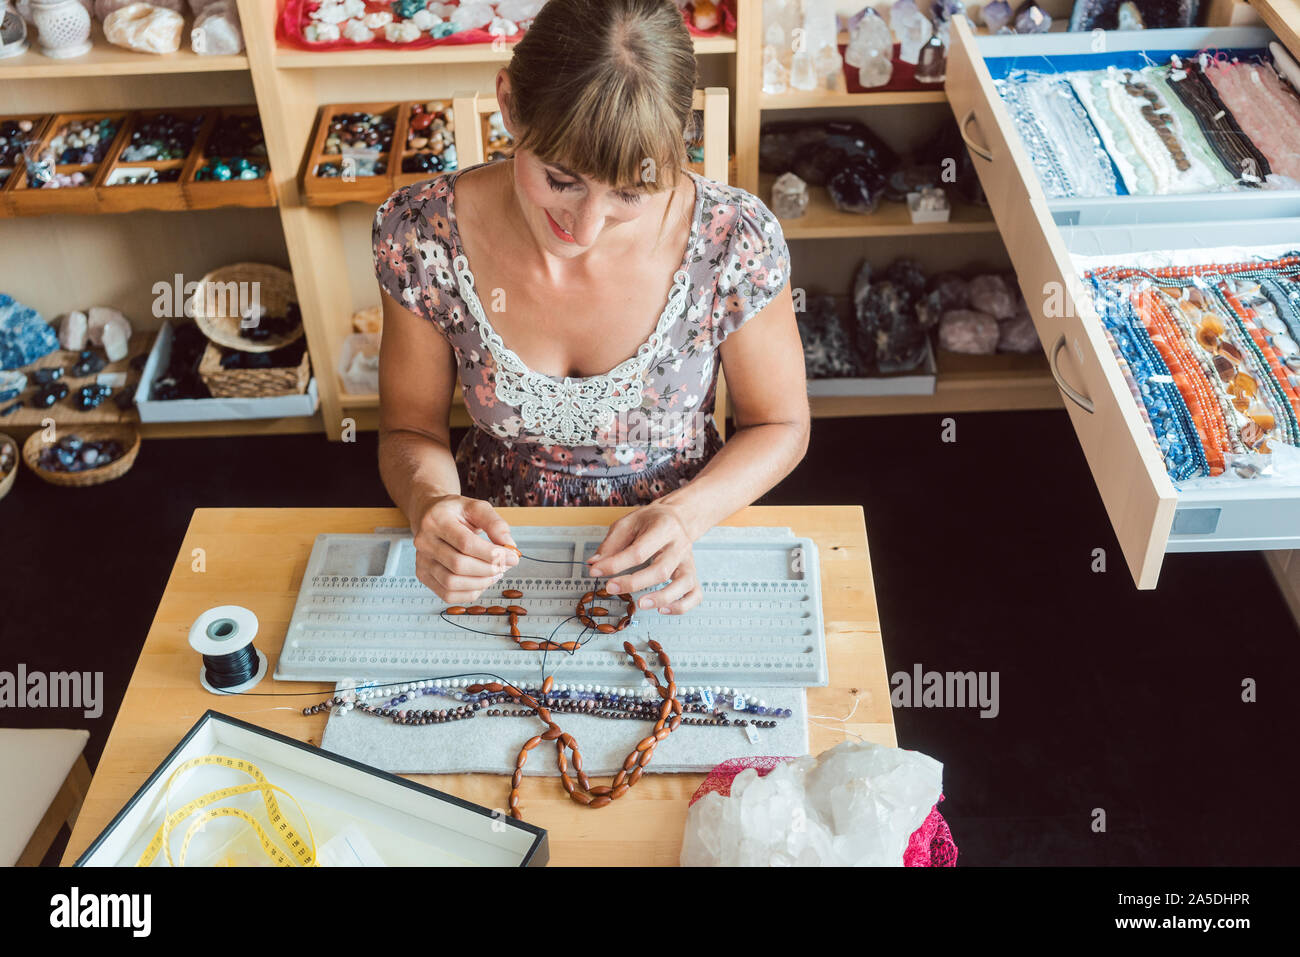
[855,805]
[350,19]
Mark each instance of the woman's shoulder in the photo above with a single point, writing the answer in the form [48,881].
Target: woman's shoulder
[422,200]
[732,214]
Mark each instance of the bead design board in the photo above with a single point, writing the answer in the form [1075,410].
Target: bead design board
[361,614]
[490,745]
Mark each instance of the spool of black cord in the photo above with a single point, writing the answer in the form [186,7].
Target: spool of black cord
[224,637]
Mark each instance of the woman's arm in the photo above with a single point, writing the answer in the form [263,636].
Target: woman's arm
[417,371]
[763,362]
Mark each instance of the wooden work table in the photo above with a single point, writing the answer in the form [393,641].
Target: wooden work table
[256,558]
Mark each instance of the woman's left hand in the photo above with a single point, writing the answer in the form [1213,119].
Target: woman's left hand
[654,533]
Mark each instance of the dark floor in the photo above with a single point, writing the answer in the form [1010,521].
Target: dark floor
[982,549]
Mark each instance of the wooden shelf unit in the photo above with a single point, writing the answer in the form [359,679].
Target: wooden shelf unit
[327,248]
[108,60]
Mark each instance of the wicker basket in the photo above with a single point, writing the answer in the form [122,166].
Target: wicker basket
[274,292]
[252,383]
[126,434]
[7,480]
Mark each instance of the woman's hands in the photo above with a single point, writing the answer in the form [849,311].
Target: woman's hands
[654,532]
[450,557]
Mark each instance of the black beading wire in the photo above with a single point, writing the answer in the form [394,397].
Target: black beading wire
[226,671]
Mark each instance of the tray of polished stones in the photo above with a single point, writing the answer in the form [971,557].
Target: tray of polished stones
[362,611]
[16,132]
[113,162]
[361,152]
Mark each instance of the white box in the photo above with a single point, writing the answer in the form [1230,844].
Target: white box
[211,410]
[371,816]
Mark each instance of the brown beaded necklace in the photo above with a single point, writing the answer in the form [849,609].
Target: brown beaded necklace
[670,712]
[670,719]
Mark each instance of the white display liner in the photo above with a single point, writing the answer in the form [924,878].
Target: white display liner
[211,410]
[919,382]
[492,744]
[408,824]
[360,610]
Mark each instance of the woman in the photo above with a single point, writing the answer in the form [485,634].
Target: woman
[534,279]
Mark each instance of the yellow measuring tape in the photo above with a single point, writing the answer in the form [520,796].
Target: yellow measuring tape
[299,853]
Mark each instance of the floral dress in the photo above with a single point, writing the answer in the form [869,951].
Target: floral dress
[622,438]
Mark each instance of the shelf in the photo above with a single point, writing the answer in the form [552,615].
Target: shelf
[824,221]
[828,99]
[965,384]
[108,60]
[288,58]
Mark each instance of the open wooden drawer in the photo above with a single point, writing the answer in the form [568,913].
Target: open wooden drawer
[1149,515]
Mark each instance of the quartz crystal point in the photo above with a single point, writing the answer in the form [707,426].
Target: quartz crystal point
[871,49]
[789,196]
[911,28]
[776,77]
[931,67]
[803,75]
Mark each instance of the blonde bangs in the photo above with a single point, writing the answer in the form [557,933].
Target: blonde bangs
[624,141]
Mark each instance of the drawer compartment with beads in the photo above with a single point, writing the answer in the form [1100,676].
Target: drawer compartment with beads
[1155,502]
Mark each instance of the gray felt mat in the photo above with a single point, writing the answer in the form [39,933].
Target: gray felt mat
[491,744]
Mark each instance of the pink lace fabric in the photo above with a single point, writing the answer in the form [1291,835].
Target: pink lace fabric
[931,845]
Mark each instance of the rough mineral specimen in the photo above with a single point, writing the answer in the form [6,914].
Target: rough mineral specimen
[969,332]
[24,335]
[856,188]
[816,149]
[888,323]
[992,294]
[858,804]
[109,329]
[145,27]
[1018,334]
[72,331]
[216,29]
[828,352]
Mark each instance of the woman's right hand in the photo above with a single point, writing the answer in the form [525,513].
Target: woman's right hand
[451,558]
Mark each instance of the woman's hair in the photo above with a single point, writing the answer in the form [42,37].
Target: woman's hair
[604,88]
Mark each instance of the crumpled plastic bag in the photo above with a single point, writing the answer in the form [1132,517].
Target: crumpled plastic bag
[855,805]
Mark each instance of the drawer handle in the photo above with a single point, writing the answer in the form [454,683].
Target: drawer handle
[980,151]
[1077,397]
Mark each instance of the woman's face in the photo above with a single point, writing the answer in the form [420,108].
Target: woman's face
[568,212]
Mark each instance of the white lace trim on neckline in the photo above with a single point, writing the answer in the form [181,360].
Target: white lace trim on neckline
[570,411]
